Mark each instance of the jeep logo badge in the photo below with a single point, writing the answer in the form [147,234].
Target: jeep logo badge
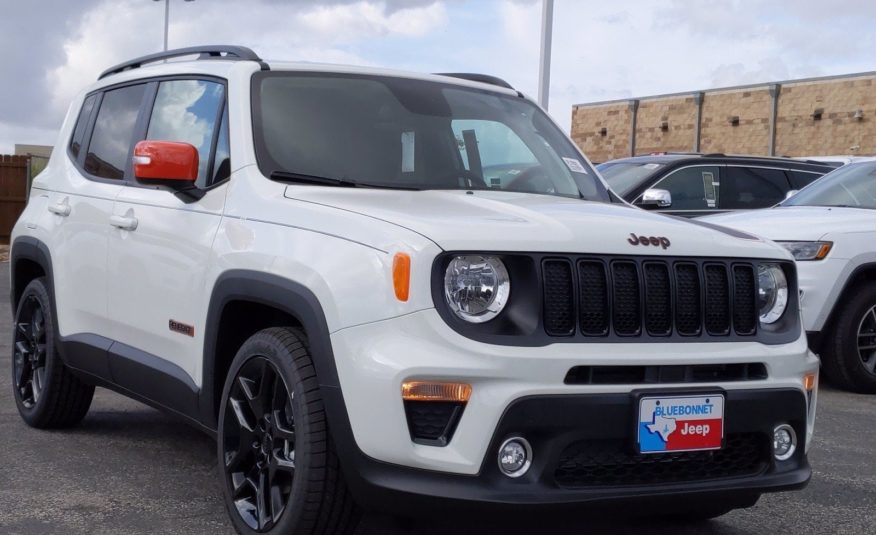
[649,240]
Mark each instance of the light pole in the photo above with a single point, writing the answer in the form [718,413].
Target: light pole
[544,63]
[167,19]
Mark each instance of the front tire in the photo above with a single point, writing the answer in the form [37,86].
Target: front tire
[279,468]
[849,355]
[47,394]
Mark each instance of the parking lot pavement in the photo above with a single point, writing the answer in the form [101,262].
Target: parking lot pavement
[129,469]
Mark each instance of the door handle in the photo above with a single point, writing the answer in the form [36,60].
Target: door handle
[124,222]
[62,208]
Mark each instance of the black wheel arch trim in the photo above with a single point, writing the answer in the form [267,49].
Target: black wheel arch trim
[34,250]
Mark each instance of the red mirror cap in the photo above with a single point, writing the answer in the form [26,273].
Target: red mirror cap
[165,160]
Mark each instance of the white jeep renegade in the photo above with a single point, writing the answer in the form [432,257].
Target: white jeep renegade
[402,292]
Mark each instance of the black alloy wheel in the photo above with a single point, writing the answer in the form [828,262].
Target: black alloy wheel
[29,361]
[46,392]
[867,341]
[259,443]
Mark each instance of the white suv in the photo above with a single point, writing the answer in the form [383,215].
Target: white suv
[830,227]
[402,292]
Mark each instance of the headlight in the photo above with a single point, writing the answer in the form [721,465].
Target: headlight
[476,287]
[807,250]
[772,292]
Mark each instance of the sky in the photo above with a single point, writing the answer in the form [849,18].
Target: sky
[601,50]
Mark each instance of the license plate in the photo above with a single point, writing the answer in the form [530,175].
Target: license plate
[681,423]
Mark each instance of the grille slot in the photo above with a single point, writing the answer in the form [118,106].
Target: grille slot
[744,299]
[559,309]
[626,310]
[688,315]
[692,373]
[658,299]
[717,300]
[593,298]
[599,463]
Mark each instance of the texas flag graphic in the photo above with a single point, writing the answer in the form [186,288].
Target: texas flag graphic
[681,423]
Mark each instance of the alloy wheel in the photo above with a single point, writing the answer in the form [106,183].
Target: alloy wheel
[29,351]
[867,340]
[258,443]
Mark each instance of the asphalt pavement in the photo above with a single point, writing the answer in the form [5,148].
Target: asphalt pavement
[129,469]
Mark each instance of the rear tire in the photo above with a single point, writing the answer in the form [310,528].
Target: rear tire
[273,436]
[849,350]
[47,394]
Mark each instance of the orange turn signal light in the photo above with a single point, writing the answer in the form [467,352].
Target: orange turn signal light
[401,276]
[435,391]
[809,381]
[822,252]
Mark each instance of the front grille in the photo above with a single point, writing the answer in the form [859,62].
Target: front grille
[628,297]
[599,463]
[665,374]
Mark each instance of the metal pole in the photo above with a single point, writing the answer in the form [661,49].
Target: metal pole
[544,65]
[775,89]
[166,22]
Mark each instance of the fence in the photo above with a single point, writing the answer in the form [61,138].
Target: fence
[13,192]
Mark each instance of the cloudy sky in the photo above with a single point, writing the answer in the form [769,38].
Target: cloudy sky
[602,49]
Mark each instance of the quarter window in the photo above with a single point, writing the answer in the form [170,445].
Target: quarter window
[81,125]
[188,111]
[113,136]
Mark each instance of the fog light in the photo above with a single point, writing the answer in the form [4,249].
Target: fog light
[784,442]
[515,457]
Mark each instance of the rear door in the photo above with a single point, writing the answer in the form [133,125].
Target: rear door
[158,263]
[98,159]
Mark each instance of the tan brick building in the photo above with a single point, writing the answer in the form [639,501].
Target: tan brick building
[816,116]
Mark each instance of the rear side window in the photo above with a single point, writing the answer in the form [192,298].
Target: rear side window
[81,125]
[188,111]
[751,187]
[113,136]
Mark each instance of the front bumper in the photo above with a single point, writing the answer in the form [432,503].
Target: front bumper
[556,424]
[521,390]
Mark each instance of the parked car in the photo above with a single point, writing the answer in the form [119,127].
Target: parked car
[830,228]
[693,185]
[835,161]
[309,263]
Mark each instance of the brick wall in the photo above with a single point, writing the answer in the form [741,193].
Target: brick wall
[797,133]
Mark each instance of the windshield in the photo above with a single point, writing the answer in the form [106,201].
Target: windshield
[623,177]
[853,185]
[411,134]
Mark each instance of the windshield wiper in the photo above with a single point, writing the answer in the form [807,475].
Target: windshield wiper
[301,178]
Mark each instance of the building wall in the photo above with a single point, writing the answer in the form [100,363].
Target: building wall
[587,126]
[797,133]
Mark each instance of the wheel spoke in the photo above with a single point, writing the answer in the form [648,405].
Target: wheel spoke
[23,347]
[277,503]
[37,322]
[21,369]
[253,398]
[870,364]
[262,500]
[239,408]
[39,380]
[25,330]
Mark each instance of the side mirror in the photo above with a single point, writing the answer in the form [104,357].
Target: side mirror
[655,198]
[791,193]
[168,162]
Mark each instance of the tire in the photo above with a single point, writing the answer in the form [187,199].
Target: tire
[262,446]
[47,394]
[844,363]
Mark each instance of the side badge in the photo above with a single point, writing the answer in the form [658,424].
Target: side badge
[182,328]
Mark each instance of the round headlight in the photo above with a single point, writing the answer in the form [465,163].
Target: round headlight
[476,287]
[772,292]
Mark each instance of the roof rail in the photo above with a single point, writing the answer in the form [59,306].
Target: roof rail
[241,53]
[474,77]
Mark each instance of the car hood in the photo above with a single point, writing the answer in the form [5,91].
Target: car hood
[789,223]
[506,221]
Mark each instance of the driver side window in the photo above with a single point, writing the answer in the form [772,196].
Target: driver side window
[492,150]
[692,188]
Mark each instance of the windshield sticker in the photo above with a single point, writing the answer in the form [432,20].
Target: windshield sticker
[407,142]
[651,165]
[575,165]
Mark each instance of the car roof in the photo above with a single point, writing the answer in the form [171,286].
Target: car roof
[682,157]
